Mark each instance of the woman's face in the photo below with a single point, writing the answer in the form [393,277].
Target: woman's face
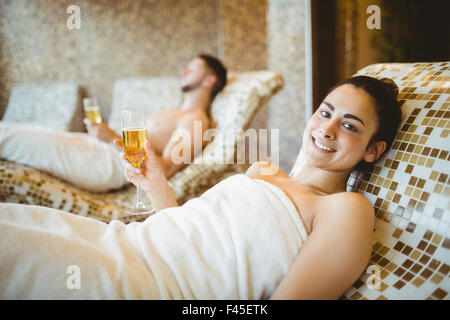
[337,135]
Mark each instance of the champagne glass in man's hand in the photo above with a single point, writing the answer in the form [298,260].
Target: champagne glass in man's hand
[92,110]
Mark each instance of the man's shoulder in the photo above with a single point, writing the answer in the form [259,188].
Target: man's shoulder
[198,114]
[190,116]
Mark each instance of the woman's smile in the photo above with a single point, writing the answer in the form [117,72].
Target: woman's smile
[322,147]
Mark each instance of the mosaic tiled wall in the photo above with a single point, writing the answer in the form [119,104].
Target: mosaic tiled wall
[145,38]
[243,34]
[116,39]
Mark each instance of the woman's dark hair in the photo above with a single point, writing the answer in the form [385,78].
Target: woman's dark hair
[218,69]
[384,94]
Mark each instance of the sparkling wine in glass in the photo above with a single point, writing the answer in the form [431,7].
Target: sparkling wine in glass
[134,135]
[92,110]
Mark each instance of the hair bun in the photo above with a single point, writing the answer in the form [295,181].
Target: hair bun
[391,86]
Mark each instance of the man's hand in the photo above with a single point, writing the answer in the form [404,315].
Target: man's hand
[101,131]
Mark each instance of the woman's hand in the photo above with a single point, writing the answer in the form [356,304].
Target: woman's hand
[153,180]
[150,170]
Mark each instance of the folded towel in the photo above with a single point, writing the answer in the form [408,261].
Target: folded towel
[78,158]
[236,241]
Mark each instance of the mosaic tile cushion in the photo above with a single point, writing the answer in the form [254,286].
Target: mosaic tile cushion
[409,187]
[234,108]
[53,105]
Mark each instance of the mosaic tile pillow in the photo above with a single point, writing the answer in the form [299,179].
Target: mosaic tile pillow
[53,105]
[233,109]
[409,187]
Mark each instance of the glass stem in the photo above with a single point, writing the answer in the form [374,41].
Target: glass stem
[139,203]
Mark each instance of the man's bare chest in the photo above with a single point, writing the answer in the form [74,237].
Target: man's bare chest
[164,122]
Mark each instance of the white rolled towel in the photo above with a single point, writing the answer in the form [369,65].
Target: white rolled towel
[78,158]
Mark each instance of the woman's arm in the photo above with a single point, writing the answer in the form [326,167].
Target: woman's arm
[335,253]
[153,179]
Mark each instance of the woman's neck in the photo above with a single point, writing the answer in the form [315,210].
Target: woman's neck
[323,181]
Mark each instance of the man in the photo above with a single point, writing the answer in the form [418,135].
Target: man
[202,79]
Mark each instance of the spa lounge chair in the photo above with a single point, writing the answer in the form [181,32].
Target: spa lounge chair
[233,108]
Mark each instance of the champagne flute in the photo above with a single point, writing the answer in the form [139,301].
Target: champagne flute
[134,135]
[92,110]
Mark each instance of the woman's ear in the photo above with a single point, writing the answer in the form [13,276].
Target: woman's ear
[374,151]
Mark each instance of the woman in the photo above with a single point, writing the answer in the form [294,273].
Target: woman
[252,236]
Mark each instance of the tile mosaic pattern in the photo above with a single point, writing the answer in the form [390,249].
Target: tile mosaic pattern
[410,190]
[117,39]
[234,108]
[242,34]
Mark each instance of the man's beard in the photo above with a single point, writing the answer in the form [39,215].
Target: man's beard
[191,86]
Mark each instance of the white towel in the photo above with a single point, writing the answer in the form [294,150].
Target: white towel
[236,241]
[75,157]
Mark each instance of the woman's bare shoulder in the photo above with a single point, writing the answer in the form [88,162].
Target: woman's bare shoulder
[352,199]
[346,208]
[263,170]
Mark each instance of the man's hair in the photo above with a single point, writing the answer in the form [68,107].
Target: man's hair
[218,69]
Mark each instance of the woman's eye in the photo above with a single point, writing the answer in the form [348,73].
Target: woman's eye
[325,114]
[349,127]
